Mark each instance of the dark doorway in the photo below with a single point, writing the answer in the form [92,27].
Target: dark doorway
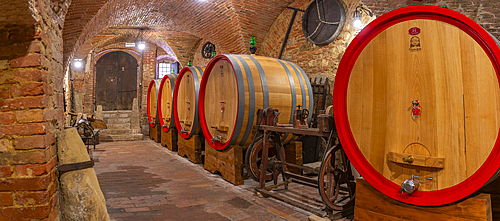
[116,81]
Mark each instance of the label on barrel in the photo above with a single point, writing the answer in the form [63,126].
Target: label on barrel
[415,44]
[414,31]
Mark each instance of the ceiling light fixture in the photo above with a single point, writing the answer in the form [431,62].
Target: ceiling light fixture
[141,45]
[77,63]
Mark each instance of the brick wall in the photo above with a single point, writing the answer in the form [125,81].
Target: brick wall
[148,74]
[83,77]
[31,105]
[198,60]
[317,61]
[484,12]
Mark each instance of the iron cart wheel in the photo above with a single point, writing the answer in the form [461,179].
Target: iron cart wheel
[336,183]
[253,158]
[208,48]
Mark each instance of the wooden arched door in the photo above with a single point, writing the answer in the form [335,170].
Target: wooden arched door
[116,81]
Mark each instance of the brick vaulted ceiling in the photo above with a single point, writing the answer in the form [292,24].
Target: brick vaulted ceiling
[168,23]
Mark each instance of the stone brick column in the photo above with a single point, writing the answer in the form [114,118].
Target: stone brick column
[31,105]
[148,74]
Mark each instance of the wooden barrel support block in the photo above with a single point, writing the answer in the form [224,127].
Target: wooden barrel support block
[169,139]
[155,134]
[373,205]
[493,189]
[293,154]
[192,148]
[423,81]
[229,163]
[151,133]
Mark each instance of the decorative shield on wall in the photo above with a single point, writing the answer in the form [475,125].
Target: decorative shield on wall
[323,21]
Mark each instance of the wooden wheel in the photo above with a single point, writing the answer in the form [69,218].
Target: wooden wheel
[335,181]
[98,124]
[253,159]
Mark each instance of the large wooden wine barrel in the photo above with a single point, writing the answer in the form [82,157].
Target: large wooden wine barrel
[234,87]
[165,102]
[186,94]
[417,93]
[153,88]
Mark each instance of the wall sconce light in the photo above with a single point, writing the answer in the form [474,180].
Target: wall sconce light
[77,63]
[357,21]
[141,45]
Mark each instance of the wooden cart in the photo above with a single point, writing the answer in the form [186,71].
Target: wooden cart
[335,181]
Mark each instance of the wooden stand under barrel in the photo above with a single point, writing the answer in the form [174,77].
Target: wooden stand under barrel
[192,148]
[229,163]
[169,139]
[154,133]
[374,205]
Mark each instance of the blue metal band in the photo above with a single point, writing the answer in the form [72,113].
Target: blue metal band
[241,99]
[294,94]
[263,80]
[302,87]
[251,96]
[197,80]
[309,89]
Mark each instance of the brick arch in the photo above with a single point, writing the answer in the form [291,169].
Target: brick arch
[228,24]
[133,53]
[105,40]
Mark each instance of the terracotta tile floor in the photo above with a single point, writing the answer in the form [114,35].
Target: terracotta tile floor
[142,180]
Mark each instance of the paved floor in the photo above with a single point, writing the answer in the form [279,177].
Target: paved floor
[143,181]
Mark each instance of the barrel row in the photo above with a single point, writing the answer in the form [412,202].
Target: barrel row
[221,101]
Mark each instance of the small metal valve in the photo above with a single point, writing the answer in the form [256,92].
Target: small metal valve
[217,138]
[411,185]
[183,131]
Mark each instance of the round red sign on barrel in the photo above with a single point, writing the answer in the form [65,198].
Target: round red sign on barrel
[414,31]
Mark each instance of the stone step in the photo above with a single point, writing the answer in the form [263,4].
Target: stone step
[116,115]
[117,120]
[118,111]
[123,137]
[118,126]
[119,131]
